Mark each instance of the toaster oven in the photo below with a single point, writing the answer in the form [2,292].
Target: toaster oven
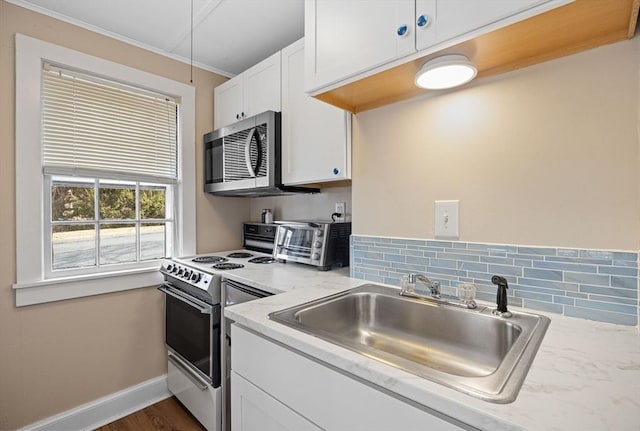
[324,245]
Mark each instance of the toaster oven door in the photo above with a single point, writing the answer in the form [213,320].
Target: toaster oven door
[294,243]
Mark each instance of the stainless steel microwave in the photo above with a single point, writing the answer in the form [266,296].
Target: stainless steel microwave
[321,244]
[244,159]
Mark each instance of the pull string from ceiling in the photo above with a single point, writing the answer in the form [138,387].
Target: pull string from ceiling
[191,54]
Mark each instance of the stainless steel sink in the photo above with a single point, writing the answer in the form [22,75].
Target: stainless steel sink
[472,351]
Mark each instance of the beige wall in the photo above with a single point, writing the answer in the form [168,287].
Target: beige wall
[56,356]
[546,155]
[301,206]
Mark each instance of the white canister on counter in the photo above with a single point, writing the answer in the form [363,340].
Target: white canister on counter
[268,216]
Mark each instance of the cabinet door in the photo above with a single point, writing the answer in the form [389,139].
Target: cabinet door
[262,86]
[457,17]
[426,24]
[326,398]
[345,37]
[228,102]
[254,410]
[316,136]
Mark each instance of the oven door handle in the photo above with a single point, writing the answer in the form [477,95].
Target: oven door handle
[201,384]
[299,250]
[203,307]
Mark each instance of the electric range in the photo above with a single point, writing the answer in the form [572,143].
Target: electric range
[198,366]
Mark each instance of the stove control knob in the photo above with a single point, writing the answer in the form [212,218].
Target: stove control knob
[317,244]
[196,277]
[315,256]
[179,271]
[187,274]
[170,267]
[319,233]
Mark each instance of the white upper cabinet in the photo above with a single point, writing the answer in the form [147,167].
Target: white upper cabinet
[228,102]
[352,39]
[345,37]
[452,18]
[253,91]
[316,136]
[262,83]
[426,23]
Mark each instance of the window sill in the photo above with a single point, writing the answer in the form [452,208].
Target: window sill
[59,289]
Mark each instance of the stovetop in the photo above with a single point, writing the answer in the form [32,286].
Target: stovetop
[202,274]
[215,263]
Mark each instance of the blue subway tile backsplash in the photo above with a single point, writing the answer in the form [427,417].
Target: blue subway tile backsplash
[598,285]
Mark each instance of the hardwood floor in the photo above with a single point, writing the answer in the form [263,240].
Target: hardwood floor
[167,415]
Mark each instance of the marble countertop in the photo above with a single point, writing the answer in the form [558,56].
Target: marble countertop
[586,375]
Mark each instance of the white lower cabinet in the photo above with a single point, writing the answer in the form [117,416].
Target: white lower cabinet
[274,388]
[254,410]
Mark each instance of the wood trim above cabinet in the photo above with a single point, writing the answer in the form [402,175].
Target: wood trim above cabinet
[569,29]
[328,185]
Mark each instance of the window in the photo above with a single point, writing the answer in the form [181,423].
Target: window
[101,193]
[95,223]
[105,130]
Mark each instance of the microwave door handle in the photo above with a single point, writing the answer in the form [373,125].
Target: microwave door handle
[247,153]
[259,145]
[253,171]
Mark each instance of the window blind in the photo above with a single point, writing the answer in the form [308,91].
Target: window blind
[102,128]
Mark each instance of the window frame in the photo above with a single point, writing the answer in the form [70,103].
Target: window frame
[31,286]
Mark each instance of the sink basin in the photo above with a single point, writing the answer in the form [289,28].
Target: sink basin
[472,351]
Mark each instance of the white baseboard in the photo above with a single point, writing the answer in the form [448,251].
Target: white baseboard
[107,409]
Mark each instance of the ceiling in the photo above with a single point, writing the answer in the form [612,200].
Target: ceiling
[229,36]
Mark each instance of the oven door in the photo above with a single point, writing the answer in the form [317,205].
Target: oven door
[192,330]
[294,243]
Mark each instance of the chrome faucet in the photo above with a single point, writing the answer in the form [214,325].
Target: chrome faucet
[433,286]
[435,296]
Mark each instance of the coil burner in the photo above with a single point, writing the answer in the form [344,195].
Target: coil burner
[227,265]
[209,259]
[239,255]
[262,259]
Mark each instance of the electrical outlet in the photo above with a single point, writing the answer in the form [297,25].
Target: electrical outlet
[341,207]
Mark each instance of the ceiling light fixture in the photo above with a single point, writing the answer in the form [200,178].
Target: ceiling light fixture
[445,72]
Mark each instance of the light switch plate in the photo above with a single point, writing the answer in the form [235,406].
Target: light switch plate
[446,219]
